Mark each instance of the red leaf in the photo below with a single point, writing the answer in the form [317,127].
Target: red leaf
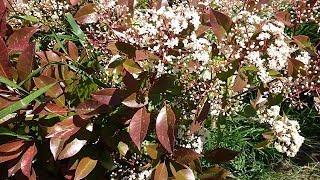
[11,146]
[9,156]
[284,17]
[51,108]
[133,102]
[162,3]
[109,96]
[54,92]
[221,155]
[185,155]
[86,14]
[74,2]
[131,83]
[14,167]
[220,23]
[88,107]
[165,128]
[67,128]
[5,66]
[56,146]
[240,82]
[73,51]
[26,63]
[72,148]
[161,172]
[85,166]
[27,158]
[19,40]
[3,19]
[138,127]
[201,115]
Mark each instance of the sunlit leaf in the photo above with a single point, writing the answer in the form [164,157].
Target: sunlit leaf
[25,64]
[133,101]
[86,14]
[220,23]
[67,127]
[161,172]
[138,127]
[72,148]
[185,174]
[56,146]
[165,128]
[73,51]
[19,40]
[27,159]
[109,96]
[185,155]
[85,166]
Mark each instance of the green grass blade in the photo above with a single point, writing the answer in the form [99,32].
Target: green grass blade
[7,132]
[23,102]
[76,28]
[12,84]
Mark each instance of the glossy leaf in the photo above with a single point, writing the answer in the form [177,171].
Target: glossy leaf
[165,128]
[5,66]
[14,168]
[220,155]
[74,2]
[85,166]
[86,14]
[134,102]
[23,102]
[161,172]
[72,148]
[51,108]
[56,146]
[27,159]
[73,51]
[11,146]
[220,23]
[25,64]
[152,151]
[284,17]
[132,67]
[67,127]
[123,148]
[88,107]
[185,155]
[54,92]
[138,127]
[109,96]
[19,40]
[201,115]
[185,174]
[9,156]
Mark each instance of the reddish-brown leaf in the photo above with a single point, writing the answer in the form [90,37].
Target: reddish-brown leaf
[220,23]
[303,41]
[25,64]
[27,159]
[73,51]
[56,109]
[3,19]
[240,82]
[131,83]
[185,174]
[185,155]
[161,172]
[11,146]
[5,66]
[86,14]
[9,156]
[14,167]
[139,125]
[19,40]
[221,155]
[67,128]
[72,148]
[162,3]
[134,102]
[109,96]
[284,17]
[85,166]
[56,146]
[201,115]
[165,127]
[54,92]
[74,2]
[88,107]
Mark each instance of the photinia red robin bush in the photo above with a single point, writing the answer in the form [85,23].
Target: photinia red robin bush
[130,89]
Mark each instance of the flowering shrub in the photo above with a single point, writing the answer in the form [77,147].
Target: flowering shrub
[130,89]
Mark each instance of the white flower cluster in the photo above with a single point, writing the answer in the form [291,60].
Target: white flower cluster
[194,141]
[49,13]
[286,131]
[289,139]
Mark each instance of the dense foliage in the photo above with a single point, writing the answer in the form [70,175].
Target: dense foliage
[124,89]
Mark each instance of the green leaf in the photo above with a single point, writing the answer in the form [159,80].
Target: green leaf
[7,132]
[23,102]
[75,27]
[29,18]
